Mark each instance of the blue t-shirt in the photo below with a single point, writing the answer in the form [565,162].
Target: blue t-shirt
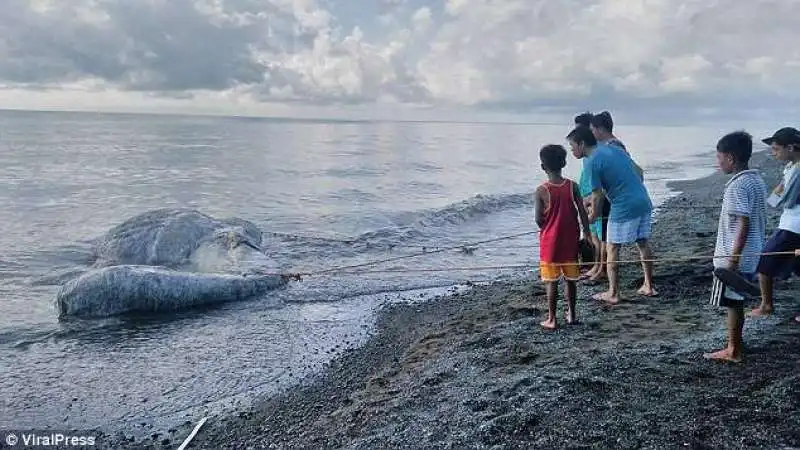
[584,184]
[611,169]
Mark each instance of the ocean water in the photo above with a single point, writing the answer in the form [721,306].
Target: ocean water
[330,193]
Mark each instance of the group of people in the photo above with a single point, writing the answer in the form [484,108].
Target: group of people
[610,203]
[611,207]
[741,255]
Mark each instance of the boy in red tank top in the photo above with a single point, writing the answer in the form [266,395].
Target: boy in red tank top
[560,215]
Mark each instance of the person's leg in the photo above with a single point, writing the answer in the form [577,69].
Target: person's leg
[597,233]
[774,266]
[572,290]
[551,287]
[736,329]
[734,350]
[571,273]
[549,274]
[611,296]
[765,282]
[597,248]
[646,254]
[603,241]
[618,233]
[601,262]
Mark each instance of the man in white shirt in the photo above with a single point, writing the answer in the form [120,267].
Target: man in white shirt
[785,145]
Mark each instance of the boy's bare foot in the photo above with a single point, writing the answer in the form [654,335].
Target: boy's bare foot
[760,312]
[606,297]
[598,277]
[569,316]
[549,324]
[797,319]
[647,291]
[571,320]
[723,355]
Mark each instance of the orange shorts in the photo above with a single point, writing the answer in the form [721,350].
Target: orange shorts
[553,272]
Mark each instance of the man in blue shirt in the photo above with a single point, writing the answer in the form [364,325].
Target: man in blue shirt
[602,126]
[612,174]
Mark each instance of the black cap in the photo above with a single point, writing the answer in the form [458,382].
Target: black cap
[784,136]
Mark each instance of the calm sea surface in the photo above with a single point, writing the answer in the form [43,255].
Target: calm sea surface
[336,193]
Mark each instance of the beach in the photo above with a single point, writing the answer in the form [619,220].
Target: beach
[475,370]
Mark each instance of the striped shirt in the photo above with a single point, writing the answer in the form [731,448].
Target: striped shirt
[745,196]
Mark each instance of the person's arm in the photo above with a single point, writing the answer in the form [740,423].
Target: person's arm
[743,229]
[593,168]
[597,204]
[539,208]
[582,213]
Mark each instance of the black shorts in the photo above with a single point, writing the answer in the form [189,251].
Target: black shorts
[723,295]
[780,266]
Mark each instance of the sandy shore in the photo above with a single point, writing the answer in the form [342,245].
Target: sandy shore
[476,371]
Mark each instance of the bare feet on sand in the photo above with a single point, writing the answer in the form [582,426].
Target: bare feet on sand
[607,297]
[760,312]
[647,291]
[570,317]
[725,354]
[549,324]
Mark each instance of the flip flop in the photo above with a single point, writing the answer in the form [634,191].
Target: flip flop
[737,282]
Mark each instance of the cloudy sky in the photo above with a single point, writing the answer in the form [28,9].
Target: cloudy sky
[500,56]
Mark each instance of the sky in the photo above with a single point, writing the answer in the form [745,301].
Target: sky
[451,59]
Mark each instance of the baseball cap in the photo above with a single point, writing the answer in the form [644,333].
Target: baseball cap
[784,136]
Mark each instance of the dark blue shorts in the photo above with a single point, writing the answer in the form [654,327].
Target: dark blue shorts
[780,266]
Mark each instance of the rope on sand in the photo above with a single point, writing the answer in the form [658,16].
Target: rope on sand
[349,269]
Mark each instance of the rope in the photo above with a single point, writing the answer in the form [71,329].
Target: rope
[397,258]
[393,246]
[298,276]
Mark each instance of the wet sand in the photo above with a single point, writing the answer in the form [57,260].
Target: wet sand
[475,370]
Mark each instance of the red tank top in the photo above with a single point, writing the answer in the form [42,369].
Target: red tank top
[558,238]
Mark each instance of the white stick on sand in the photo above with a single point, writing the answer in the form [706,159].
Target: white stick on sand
[193,433]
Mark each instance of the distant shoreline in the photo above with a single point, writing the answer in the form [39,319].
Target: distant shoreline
[566,114]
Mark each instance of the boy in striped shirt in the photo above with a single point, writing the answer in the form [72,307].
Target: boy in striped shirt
[740,234]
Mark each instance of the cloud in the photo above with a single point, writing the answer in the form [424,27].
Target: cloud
[513,54]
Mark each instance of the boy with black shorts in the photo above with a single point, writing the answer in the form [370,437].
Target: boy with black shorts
[740,234]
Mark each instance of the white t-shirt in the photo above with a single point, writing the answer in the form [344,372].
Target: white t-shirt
[745,195]
[790,218]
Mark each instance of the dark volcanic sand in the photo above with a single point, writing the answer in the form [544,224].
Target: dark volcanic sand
[476,371]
